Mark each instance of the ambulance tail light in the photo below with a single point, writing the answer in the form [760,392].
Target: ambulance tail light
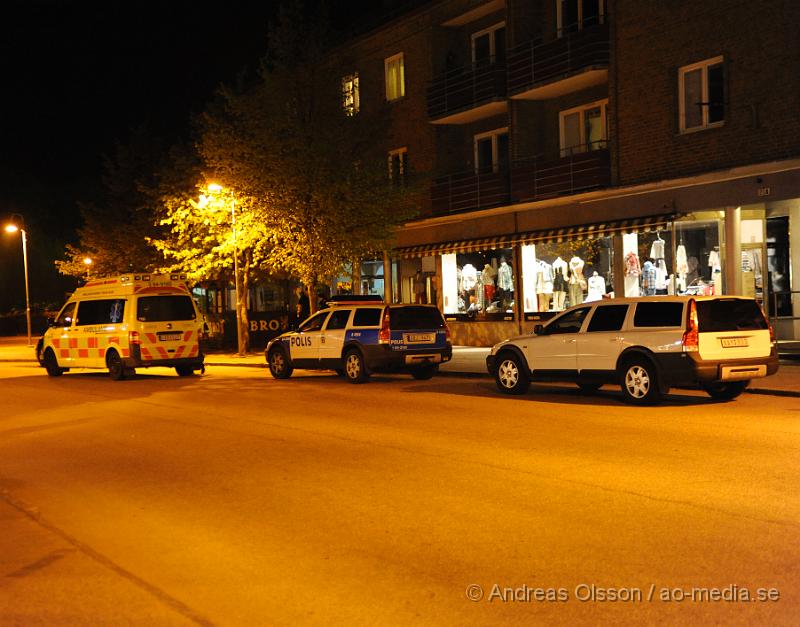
[385,334]
[133,338]
[691,337]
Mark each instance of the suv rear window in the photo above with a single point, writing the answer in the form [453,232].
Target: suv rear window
[163,308]
[730,314]
[414,317]
[658,315]
[367,317]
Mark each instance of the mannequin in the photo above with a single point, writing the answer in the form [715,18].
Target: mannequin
[576,281]
[544,285]
[681,266]
[661,276]
[632,272]
[648,278]
[597,287]
[419,288]
[505,283]
[487,275]
[657,247]
[560,271]
[469,277]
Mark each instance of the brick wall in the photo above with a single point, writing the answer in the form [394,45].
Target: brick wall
[759,43]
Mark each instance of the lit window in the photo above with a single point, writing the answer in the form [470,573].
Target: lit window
[702,95]
[394,69]
[351,101]
[398,164]
[584,128]
[491,151]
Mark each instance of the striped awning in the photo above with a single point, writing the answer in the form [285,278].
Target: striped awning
[585,231]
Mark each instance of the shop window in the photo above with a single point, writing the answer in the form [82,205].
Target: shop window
[575,15]
[701,89]
[489,45]
[584,128]
[395,77]
[557,275]
[491,151]
[778,266]
[480,285]
[351,99]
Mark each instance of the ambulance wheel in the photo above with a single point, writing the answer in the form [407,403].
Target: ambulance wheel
[354,369]
[184,371]
[279,365]
[51,364]
[422,373]
[116,370]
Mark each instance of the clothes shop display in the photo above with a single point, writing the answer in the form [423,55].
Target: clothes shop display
[487,276]
[661,276]
[657,248]
[632,267]
[504,277]
[577,282]
[560,272]
[681,261]
[544,285]
[597,288]
[648,278]
[714,262]
[469,277]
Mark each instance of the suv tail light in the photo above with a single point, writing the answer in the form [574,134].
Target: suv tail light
[771,333]
[691,337]
[133,338]
[385,334]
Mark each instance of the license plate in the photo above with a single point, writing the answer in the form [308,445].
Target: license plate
[419,338]
[169,337]
[734,342]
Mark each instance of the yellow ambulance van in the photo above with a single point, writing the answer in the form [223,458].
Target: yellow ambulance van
[126,322]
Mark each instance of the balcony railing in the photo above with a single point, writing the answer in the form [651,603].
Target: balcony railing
[465,88]
[534,63]
[467,191]
[537,178]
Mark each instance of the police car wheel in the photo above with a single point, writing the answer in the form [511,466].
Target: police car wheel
[115,368]
[354,369]
[51,364]
[279,365]
[422,373]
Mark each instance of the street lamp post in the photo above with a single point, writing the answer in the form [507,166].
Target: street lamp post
[13,227]
[87,261]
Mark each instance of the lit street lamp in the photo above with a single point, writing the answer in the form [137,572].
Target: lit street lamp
[13,227]
[88,262]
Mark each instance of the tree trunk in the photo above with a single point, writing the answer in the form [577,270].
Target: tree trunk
[243,289]
[355,276]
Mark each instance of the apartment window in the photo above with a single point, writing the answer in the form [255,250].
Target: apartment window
[491,151]
[398,164]
[702,95]
[489,45]
[584,128]
[351,101]
[575,15]
[394,71]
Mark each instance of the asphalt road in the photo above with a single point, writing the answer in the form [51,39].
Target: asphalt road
[234,499]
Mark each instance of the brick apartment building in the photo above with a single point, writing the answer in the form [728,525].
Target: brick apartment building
[580,149]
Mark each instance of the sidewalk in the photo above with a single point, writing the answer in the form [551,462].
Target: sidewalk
[468,361]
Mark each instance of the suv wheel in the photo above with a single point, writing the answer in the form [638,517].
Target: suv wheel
[51,364]
[422,373]
[512,375]
[725,391]
[639,382]
[354,368]
[279,366]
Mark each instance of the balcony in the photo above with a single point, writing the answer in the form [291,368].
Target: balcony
[540,71]
[468,191]
[467,94]
[537,179]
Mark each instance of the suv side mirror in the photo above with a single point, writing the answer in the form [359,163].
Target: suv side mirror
[538,329]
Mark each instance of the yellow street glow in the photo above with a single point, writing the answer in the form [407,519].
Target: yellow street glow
[12,228]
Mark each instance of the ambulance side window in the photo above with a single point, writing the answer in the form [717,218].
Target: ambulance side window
[65,317]
[108,311]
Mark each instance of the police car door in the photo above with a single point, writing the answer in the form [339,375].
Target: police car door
[304,344]
[332,340]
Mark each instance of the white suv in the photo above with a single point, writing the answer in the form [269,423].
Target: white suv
[646,345]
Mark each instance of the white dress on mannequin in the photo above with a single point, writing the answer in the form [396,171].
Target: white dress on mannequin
[597,288]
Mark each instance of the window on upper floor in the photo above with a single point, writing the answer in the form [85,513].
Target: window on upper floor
[491,151]
[701,88]
[584,128]
[395,75]
[575,15]
[398,164]
[489,45]
[351,100]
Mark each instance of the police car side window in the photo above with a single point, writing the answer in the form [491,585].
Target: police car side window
[315,323]
[367,317]
[65,317]
[338,320]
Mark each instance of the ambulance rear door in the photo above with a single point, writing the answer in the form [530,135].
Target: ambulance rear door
[168,326]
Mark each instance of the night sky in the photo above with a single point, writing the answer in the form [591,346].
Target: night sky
[78,76]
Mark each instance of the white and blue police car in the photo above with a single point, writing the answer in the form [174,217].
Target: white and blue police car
[356,336]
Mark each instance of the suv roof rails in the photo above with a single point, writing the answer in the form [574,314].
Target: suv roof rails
[349,299]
